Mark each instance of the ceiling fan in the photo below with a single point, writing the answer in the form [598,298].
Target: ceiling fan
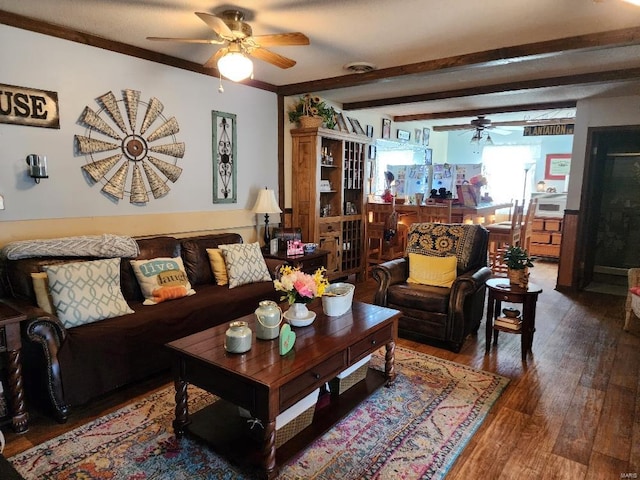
[239,42]
[479,124]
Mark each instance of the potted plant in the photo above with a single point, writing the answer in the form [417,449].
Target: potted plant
[518,262]
[311,112]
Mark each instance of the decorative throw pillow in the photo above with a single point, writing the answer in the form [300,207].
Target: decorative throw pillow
[162,279]
[245,264]
[85,292]
[218,266]
[41,289]
[433,271]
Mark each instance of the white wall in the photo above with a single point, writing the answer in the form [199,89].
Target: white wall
[596,112]
[79,74]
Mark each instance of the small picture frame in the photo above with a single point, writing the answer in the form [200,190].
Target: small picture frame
[404,135]
[386,128]
[341,123]
[284,234]
[370,131]
[428,156]
[417,135]
[426,133]
[355,124]
[274,246]
[372,152]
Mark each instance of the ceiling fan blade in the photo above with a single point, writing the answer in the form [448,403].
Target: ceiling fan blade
[216,24]
[447,128]
[213,60]
[272,58]
[499,131]
[291,38]
[186,40]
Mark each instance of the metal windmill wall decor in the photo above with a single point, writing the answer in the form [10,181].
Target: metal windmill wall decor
[224,157]
[134,152]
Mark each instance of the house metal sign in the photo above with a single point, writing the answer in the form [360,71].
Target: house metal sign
[28,106]
[557,129]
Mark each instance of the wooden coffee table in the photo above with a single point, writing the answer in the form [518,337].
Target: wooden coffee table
[266,384]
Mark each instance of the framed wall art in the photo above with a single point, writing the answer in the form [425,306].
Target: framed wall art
[426,133]
[386,128]
[404,135]
[557,166]
[370,131]
[224,157]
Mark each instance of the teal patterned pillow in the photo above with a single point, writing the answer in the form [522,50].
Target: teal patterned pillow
[85,292]
[245,264]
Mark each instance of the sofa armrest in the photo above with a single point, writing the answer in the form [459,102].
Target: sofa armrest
[467,284]
[48,334]
[387,274]
[274,264]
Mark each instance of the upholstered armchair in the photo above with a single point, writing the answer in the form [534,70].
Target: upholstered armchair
[446,313]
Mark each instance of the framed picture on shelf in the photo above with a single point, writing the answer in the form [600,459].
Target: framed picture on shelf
[355,124]
[386,128]
[426,133]
[341,122]
[404,135]
[370,131]
[285,234]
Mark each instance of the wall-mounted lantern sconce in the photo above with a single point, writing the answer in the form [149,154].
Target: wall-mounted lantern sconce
[37,167]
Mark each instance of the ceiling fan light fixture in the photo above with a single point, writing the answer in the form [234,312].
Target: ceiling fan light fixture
[235,66]
[488,140]
[360,67]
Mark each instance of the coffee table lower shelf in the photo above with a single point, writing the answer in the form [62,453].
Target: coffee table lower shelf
[220,426]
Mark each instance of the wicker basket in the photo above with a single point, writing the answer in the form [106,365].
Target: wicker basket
[347,379]
[295,426]
[307,121]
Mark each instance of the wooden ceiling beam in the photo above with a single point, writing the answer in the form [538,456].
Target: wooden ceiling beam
[576,79]
[499,56]
[485,111]
[65,33]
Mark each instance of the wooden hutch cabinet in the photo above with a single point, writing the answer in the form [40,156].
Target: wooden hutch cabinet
[328,177]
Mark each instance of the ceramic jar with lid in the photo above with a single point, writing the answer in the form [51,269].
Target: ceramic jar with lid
[238,338]
[269,317]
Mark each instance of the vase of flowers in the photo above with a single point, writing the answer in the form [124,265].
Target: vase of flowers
[299,288]
[311,112]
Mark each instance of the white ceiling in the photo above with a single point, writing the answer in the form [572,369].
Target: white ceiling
[388,34]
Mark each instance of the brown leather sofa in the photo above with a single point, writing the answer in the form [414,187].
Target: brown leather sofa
[446,315]
[71,366]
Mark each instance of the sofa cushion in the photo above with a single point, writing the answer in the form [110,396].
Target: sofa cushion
[162,279]
[430,270]
[85,292]
[218,267]
[41,289]
[245,264]
[196,260]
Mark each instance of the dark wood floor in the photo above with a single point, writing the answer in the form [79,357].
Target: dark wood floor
[573,411]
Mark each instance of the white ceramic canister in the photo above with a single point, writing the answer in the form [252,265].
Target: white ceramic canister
[238,338]
[269,316]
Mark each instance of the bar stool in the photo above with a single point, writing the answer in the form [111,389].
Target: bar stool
[502,236]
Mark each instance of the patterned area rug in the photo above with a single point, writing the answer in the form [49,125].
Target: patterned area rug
[414,430]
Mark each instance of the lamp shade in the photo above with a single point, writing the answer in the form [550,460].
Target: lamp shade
[266,202]
[235,66]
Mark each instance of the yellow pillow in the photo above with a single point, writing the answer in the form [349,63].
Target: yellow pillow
[218,266]
[41,289]
[433,271]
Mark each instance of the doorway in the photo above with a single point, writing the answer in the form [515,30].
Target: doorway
[611,206]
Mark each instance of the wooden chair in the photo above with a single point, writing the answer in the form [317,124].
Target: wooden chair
[527,225]
[502,236]
[379,247]
[435,212]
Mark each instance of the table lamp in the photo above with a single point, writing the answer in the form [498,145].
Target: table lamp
[266,203]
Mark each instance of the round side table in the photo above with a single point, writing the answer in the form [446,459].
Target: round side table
[501,291]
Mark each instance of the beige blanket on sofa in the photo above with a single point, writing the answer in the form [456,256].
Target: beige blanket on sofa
[103,246]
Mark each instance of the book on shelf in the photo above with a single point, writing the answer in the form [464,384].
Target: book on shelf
[508,323]
[514,320]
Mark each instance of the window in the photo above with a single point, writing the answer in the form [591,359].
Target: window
[510,171]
